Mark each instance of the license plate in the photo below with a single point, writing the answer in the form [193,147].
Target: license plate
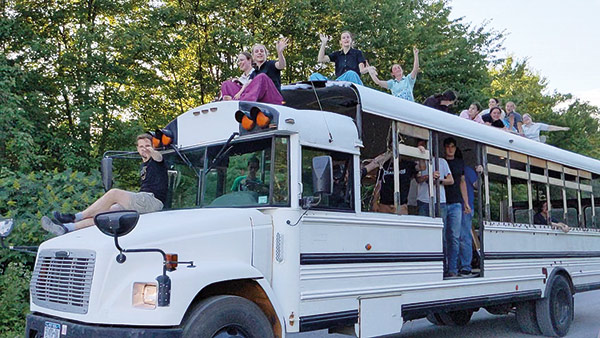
[51,330]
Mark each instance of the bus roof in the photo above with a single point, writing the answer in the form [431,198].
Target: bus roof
[385,105]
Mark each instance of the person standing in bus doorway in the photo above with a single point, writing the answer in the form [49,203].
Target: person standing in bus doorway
[457,202]
[465,251]
[150,198]
[401,85]
[349,62]
[441,101]
[442,175]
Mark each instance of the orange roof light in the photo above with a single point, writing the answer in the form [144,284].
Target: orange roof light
[155,142]
[263,119]
[245,118]
[167,137]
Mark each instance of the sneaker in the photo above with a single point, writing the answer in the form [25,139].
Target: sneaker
[52,227]
[63,218]
[450,275]
[465,274]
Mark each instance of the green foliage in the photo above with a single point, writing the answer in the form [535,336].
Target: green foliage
[27,197]
[14,299]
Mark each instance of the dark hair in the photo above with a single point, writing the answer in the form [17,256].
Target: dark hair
[254,160]
[495,99]
[491,110]
[476,104]
[449,95]
[449,140]
[247,55]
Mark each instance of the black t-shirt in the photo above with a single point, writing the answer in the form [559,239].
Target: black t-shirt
[346,62]
[488,118]
[453,194]
[153,176]
[434,102]
[268,67]
[407,172]
[540,219]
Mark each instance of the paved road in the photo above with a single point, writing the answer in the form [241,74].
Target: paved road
[585,325]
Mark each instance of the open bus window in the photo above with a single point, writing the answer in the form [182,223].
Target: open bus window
[497,186]
[244,177]
[519,187]
[342,195]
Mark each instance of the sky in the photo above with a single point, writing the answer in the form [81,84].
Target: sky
[560,38]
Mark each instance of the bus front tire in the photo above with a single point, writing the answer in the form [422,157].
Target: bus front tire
[227,316]
[527,319]
[555,311]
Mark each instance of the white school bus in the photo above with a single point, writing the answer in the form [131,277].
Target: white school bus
[270,219]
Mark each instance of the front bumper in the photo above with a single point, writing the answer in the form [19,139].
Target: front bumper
[37,322]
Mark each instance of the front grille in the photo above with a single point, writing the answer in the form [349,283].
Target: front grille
[62,280]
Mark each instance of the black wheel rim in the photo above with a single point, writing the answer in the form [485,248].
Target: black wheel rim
[231,331]
[561,307]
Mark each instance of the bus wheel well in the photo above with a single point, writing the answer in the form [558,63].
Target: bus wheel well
[245,288]
[562,272]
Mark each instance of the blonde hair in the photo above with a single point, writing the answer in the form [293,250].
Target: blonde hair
[351,38]
[263,47]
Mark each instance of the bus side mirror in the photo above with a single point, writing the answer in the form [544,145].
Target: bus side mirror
[117,223]
[6,226]
[322,173]
[107,177]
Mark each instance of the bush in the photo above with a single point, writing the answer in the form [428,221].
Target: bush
[14,299]
[26,198]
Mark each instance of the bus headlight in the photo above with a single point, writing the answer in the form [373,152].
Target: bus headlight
[144,295]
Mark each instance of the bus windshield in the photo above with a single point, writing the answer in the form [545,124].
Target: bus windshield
[251,173]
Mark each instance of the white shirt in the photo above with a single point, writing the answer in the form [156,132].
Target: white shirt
[532,131]
[423,189]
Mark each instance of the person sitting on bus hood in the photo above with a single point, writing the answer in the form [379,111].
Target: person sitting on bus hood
[150,198]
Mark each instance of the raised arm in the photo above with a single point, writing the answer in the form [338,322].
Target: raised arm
[156,156]
[322,58]
[280,46]
[415,69]
[373,73]
[557,128]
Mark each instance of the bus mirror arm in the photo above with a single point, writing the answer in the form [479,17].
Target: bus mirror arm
[6,227]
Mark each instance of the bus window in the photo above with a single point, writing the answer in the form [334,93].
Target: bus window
[519,187]
[342,196]
[585,186]
[557,205]
[497,185]
[183,180]
[572,196]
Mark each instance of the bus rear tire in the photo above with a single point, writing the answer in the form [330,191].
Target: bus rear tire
[455,318]
[227,316]
[555,311]
[527,319]
[434,319]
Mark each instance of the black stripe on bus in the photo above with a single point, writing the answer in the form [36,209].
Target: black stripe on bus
[541,254]
[386,257]
[328,320]
[587,287]
[420,310]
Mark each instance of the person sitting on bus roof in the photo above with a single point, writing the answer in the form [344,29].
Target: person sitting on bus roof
[152,195]
[265,81]
[248,182]
[513,120]
[493,102]
[472,113]
[441,101]
[401,85]
[532,130]
[349,62]
[232,89]
[493,118]
[542,218]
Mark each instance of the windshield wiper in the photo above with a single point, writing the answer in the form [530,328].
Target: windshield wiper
[186,160]
[223,151]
